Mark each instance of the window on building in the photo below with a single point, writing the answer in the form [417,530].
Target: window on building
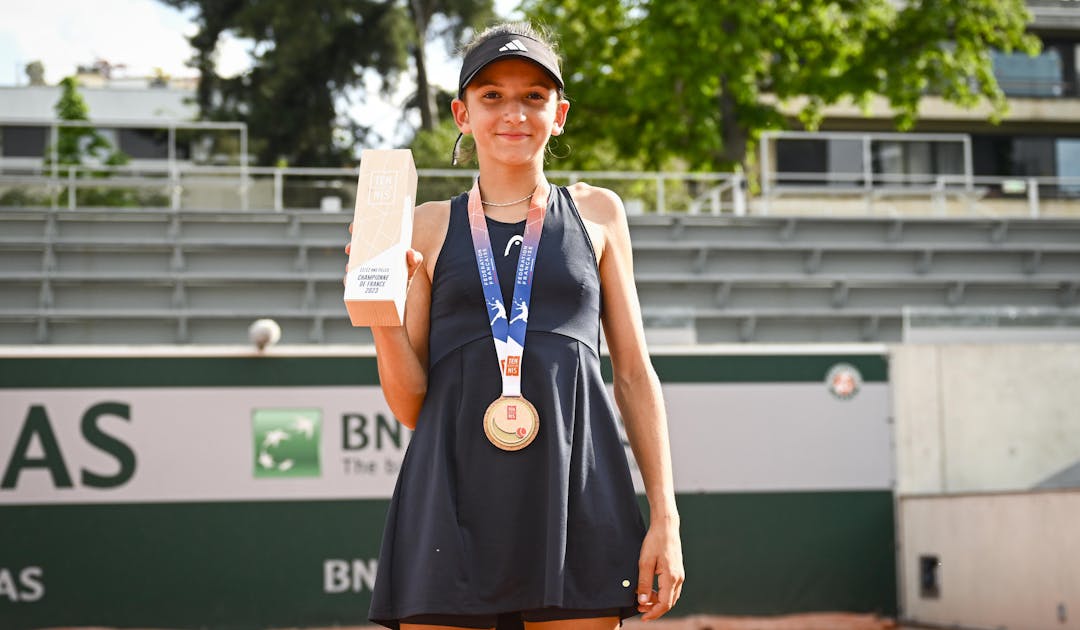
[144,144]
[1031,156]
[915,163]
[1053,73]
[23,141]
[1067,152]
[845,162]
[801,161]
[826,162]
[1022,156]
[840,161]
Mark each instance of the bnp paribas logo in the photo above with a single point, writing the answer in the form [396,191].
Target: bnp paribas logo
[286,442]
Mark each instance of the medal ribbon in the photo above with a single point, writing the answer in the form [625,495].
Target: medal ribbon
[508,325]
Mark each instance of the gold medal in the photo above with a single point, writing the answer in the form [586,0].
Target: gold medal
[511,423]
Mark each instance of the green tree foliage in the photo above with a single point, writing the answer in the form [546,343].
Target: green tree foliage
[309,57]
[82,149]
[306,53]
[684,81]
[431,149]
[75,145]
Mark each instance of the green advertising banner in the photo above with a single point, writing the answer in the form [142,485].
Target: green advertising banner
[250,492]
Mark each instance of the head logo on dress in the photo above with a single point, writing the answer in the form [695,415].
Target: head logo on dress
[514,45]
[515,239]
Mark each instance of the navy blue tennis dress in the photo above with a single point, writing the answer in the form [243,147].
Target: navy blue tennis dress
[472,529]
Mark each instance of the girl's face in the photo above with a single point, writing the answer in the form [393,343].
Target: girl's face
[511,108]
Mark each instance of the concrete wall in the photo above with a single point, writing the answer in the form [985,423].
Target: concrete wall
[992,417]
[982,432]
[1006,560]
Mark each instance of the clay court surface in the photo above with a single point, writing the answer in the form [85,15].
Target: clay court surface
[815,621]
[820,621]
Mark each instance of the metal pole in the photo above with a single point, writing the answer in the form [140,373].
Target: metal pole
[660,194]
[176,193]
[172,145]
[243,168]
[939,195]
[174,170]
[868,172]
[969,169]
[71,188]
[1033,197]
[54,132]
[279,202]
[738,193]
[766,191]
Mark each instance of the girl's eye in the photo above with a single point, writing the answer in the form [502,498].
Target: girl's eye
[538,96]
[491,94]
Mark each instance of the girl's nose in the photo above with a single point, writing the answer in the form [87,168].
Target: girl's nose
[514,113]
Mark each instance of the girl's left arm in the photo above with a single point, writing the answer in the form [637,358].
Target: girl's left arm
[640,402]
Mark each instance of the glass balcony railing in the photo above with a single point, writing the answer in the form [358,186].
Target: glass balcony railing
[1041,76]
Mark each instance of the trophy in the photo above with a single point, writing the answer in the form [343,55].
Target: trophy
[382,233]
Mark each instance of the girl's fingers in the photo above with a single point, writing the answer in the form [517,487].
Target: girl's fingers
[413,259]
[648,603]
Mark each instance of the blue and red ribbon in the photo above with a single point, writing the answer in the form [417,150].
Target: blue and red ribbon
[508,323]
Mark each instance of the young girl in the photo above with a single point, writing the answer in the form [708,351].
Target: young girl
[514,503]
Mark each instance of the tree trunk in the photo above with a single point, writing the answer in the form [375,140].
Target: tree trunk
[733,135]
[425,98]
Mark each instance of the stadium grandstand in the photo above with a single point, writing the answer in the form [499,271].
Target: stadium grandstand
[840,233]
[200,275]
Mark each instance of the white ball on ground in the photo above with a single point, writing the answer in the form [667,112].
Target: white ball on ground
[264,333]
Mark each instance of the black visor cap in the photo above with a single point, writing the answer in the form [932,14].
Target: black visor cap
[508,46]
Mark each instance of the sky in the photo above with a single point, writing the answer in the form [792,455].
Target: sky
[146,34]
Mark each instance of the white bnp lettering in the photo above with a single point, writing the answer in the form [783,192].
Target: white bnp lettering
[364,574]
[29,588]
[340,576]
[360,432]
[335,576]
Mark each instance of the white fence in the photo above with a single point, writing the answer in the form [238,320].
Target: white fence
[870,174]
[331,189]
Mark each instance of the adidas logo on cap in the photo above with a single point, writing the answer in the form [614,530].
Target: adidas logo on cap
[514,45]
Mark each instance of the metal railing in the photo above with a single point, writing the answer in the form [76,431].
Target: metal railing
[974,195]
[961,324]
[179,187]
[874,179]
[334,189]
[176,183]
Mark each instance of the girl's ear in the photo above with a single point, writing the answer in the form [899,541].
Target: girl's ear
[461,115]
[560,117]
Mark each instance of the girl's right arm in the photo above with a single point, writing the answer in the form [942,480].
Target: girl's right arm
[402,351]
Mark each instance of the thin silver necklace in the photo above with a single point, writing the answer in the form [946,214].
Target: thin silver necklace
[511,203]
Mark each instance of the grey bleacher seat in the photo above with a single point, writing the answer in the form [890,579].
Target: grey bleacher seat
[831,230]
[23,225]
[201,276]
[798,327]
